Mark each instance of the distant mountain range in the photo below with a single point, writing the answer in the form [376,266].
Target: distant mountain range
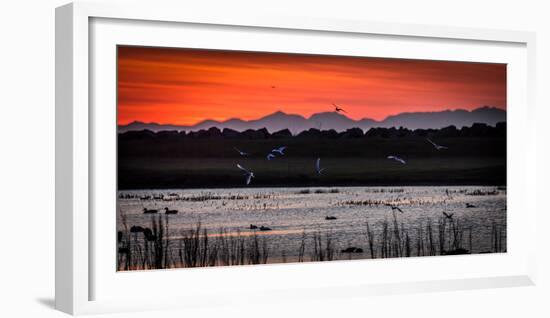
[339,122]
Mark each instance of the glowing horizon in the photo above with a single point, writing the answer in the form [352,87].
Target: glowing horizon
[187,86]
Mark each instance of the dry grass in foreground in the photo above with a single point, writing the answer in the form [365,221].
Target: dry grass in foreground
[143,248]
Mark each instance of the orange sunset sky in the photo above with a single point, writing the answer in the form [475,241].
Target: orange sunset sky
[186,86]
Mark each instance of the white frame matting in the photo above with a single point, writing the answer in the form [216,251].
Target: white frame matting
[86,39]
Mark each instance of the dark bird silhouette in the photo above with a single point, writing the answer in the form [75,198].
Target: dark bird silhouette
[168,211]
[253,227]
[338,109]
[469,205]
[448,215]
[136,229]
[149,211]
[352,249]
[264,228]
[330,218]
[394,207]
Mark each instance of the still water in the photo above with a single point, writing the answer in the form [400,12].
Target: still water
[291,213]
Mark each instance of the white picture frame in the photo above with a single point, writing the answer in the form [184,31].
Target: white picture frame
[80,63]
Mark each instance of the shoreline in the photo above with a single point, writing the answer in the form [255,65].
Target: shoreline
[259,187]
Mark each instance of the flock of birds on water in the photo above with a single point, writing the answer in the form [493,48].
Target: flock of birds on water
[280,151]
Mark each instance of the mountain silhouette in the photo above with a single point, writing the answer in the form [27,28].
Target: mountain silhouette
[339,122]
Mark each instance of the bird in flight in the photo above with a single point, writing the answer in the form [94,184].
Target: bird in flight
[436,146]
[394,207]
[338,109]
[318,166]
[247,173]
[270,156]
[397,159]
[279,150]
[242,153]
[448,215]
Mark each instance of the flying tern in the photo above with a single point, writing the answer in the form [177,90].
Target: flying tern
[247,173]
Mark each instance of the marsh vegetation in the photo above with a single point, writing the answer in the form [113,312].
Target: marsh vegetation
[222,227]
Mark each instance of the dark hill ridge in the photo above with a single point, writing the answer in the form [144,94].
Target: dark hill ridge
[476,130]
[330,120]
[459,118]
[207,158]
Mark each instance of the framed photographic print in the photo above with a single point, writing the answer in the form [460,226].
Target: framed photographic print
[341,157]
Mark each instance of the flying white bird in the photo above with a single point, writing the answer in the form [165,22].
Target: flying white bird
[242,153]
[270,156]
[318,166]
[436,146]
[338,109]
[279,150]
[247,173]
[397,159]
